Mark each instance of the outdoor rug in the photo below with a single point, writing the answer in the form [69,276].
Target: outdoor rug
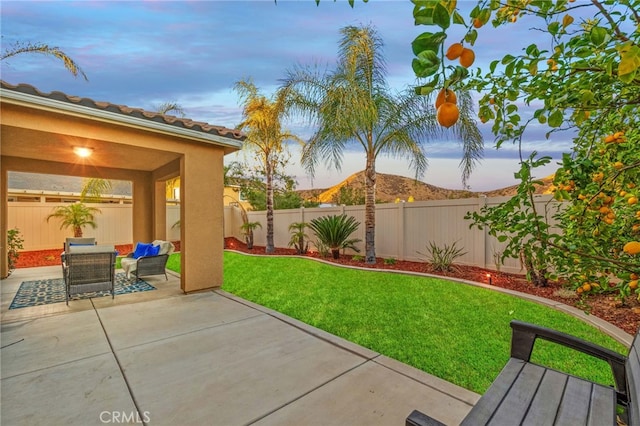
[44,292]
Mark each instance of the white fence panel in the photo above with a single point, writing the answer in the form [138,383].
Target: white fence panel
[114,224]
[403,230]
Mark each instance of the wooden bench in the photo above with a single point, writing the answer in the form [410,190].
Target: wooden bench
[527,393]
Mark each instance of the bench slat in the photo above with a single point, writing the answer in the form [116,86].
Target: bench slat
[544,408]
[481,413]
[633,381]
[515,404]
[603,406]
[574,408]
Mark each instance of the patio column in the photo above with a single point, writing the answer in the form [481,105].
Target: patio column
[142,208]
[201,218]
[4,176]
[160,210]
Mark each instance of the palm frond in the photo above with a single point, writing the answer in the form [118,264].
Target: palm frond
[45,49]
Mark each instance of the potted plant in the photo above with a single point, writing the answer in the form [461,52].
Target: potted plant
[247,229]
[334,232]
[75,216]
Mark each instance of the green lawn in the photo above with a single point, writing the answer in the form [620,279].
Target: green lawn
[454,331]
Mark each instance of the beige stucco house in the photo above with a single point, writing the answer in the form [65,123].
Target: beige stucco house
[40,131]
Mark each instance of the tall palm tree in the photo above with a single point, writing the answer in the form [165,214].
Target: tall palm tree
[353,103]
[262,121]
[44,49]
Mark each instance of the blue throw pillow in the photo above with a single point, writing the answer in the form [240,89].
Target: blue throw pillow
[141,250]
[153,251]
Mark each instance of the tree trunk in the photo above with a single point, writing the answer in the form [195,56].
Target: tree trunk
[370,209]
[335,253]
[269,175]
[77,231]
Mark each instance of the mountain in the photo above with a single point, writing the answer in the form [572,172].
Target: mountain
[391,187]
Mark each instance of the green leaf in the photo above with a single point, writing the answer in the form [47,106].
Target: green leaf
[441,16]
[458,19]
[471,37]
[427,41]
[598,35]
[556,118]
[553,28]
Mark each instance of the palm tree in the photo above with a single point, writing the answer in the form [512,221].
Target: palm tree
[75,216]
[42,48]
[265,135]
[94,188]
[353,103]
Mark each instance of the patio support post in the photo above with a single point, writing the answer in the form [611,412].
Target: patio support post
[160,210]
[201,218]
[4,266]
[143,216]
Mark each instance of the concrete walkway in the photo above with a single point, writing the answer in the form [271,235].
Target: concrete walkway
[164,358]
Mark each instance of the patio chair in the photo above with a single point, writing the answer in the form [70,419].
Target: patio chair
[85,241]
[148,259]
[88,269]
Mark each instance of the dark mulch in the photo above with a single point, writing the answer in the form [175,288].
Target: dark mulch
[623,314]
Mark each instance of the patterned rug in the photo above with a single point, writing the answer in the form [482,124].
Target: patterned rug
[44,292]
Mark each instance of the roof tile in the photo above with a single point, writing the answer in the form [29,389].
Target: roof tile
[198,126]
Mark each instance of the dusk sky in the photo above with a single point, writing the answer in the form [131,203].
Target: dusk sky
[145,53]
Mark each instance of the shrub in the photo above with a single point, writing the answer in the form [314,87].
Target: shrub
[334,232]
[441,258]
[247,229]
[14,243]
[357,258]
[390,261]
[299,239]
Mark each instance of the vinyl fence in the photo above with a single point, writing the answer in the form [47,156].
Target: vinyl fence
[403,230]
[114,224]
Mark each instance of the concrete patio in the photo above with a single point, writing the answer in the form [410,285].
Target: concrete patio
[165,358]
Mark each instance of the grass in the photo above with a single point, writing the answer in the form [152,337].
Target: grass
[454,331]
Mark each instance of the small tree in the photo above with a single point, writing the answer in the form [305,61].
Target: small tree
[334,232]
[75,216]
[299,239]
[14,243]
[247,229]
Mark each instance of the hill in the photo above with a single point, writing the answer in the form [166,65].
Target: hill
[391,187]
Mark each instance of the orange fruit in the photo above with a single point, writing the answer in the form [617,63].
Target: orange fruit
[448,114]
[467,57]
[632,200]
[633,276]
[445,95]
[477,23]
[586,287]
[632,247]
[454,51]
[633,284]
[618,165]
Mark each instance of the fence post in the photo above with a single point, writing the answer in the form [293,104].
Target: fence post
[482,248]
[400,241]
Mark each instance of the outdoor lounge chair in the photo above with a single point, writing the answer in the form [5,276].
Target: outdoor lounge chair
[88,269]
[143,262]
[78,241]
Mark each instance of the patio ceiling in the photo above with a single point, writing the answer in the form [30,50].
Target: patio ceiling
[37,145]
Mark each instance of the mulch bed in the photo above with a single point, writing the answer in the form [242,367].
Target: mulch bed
[623,314]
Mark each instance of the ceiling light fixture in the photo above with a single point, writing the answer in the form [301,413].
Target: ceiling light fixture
[82,151]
